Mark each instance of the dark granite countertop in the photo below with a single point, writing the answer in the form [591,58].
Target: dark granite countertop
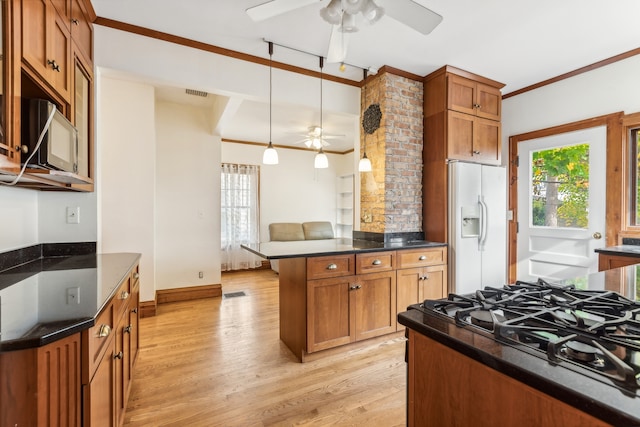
[339,246]
[622,250]
[591,394]
[35,308]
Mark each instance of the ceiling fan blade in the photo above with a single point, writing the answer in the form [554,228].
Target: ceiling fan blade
[338,43]
[275,7]
[412,14]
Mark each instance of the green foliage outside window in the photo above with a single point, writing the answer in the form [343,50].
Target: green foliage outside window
[560,180]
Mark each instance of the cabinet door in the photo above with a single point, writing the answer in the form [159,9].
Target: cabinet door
[34,34]
[59,59]
[488,102]
[329,313]
[486,141]
[408,282]
[459,136]
[121,362]
[82,118]
[434,283]
[81,31]
[375,305]
[99,394]
[461,94]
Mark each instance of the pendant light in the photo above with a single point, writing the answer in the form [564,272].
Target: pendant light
[321,161]
[270,156]
[364,165]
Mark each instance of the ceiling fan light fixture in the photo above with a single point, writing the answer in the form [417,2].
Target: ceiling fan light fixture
[372,12]
[321,161]
[333,12]
[349,24]
[353,6]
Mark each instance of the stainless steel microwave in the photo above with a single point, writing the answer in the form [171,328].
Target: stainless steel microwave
[59,146]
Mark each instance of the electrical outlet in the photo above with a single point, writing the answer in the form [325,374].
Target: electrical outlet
[200,274]
[73,295]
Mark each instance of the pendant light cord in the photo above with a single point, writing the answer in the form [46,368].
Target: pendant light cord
[270,86]
[321,128]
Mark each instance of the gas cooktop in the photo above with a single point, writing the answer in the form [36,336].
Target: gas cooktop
[593,332]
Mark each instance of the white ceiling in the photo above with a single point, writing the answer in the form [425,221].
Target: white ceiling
[514,42]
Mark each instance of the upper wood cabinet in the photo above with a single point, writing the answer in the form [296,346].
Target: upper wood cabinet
[46,45]
[461,122]
[49,46]
[471,97]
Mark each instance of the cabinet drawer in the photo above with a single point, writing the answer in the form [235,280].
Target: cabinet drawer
[376,261]
[422,257]
[96,340]
[122,296]
[330,266]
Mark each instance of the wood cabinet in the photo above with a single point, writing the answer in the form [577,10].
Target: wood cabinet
[49,55]
[608,262]
[46,44]
[421,274]
[444,385]
[334,300]
[41,386]
[462,114]
[109,353]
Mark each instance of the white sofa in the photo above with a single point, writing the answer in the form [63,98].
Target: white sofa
[295,231]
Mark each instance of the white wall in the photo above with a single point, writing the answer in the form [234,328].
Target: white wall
[187,197]
[18,218]
[52,214]
[126,152]
[602,91]
[293,190]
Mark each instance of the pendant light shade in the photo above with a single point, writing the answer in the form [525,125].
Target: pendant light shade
[364,165]
[270,156]
[321,161]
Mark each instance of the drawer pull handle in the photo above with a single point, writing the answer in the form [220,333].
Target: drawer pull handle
[135,310]
[104,331]
[136,275]
[127,329]
[376,262]
[124,295]
[118,355]
[422,257]
[332,267]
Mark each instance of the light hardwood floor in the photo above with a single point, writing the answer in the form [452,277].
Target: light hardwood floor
[219,362]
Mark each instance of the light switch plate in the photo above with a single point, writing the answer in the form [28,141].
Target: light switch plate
[73,214]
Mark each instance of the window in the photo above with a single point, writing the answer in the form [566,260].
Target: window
[560,187]
[239,215]
[634,188]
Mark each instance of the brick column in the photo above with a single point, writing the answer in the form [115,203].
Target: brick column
[391,195]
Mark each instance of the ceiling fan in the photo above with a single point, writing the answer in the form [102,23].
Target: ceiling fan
[313,139]
[344,14]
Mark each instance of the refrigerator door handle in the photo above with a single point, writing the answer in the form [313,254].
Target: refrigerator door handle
[483,223]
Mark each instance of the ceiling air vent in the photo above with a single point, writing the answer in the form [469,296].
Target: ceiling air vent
[196,93]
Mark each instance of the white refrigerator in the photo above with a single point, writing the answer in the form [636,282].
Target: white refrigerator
[477,227]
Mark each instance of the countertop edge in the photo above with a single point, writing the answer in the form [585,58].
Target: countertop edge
[413,319]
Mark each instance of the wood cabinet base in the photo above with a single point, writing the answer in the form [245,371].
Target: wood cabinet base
[446,388]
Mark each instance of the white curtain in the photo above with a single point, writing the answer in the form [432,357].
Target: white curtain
[240,219]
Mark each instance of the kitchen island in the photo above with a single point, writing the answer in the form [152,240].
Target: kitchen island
[565,353]
[335,292]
